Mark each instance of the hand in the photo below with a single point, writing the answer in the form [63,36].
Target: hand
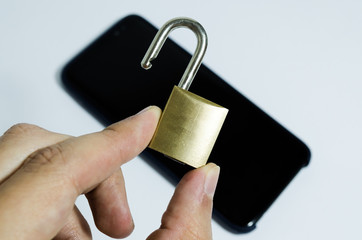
[42,173]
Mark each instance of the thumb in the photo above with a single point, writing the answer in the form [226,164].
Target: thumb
[188,216]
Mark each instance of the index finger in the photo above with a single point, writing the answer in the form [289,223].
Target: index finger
[91,158]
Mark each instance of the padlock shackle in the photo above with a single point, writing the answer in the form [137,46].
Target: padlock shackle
[196,59]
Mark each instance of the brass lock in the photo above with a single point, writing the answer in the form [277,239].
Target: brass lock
[189,124]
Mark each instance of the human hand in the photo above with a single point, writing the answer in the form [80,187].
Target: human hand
[42,173]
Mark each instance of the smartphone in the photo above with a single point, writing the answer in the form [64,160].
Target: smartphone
[258,157]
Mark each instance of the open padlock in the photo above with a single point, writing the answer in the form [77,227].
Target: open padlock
[189,124]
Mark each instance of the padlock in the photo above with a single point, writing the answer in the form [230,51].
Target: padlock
[189,124]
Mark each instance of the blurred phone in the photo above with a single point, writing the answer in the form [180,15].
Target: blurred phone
[258,157]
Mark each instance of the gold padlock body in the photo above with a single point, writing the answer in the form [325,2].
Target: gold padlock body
[188,128]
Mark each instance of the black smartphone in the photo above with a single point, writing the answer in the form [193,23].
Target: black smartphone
[258,157]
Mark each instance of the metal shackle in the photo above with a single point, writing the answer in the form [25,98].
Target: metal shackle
[196,59]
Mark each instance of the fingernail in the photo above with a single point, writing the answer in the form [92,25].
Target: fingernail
[211,179]
[144,110]
[155,109]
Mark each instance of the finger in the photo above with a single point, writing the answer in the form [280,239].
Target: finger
[19,142]
[109,206]
[188,216]
[54,176]
[75,228]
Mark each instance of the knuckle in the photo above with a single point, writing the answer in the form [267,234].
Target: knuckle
[110,133]
[52,160]
[22,128]
[50,155]
[112,137]
[190,229]
[193,232]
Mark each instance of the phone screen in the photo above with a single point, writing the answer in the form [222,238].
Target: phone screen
[258,157]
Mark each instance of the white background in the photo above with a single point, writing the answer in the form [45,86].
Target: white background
[300,61]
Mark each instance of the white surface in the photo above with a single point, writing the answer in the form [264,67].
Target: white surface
[300,61]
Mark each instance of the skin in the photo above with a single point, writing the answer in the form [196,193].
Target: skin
[42,173]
